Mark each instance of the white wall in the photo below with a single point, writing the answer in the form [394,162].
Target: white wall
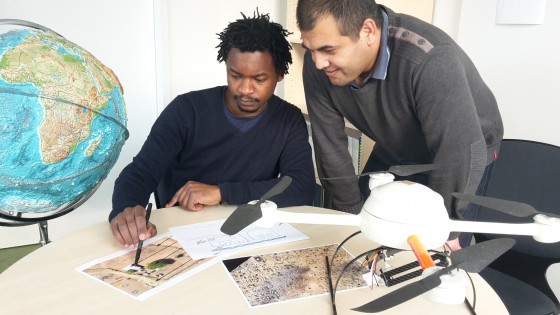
[138,40]
[121,35]
[518,62]
[193,39]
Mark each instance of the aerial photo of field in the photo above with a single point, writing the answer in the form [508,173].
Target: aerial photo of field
[159,262]
[283,276]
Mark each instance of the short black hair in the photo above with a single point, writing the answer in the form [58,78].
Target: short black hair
[257,34]
[350,14]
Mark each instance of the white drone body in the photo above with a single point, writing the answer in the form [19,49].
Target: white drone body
[396,210]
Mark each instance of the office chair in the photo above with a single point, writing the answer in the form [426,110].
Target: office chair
[159,196]
[528,172]
[322,198]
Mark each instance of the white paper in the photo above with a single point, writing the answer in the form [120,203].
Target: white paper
[127,255]
[202,240]
[520,11]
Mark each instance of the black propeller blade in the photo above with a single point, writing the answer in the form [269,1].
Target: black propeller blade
[407,170]
[400,170]
[513,208]
[246,214]
[472,259]
[478,256]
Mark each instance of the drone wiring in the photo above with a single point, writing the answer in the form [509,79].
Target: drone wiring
[331,290]
[369,260]
[373,268]
[342,243]
[350,263]
[471,306]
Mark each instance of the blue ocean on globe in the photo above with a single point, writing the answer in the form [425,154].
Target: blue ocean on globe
[62,121]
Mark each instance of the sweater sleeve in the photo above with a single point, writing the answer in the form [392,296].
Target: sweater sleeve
[330,141]
[140,178]
[446,110]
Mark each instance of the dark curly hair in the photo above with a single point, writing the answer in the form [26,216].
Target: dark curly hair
[257,34]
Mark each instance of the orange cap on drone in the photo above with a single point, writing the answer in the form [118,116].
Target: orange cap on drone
[424,259]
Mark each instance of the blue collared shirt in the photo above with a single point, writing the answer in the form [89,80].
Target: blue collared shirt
[379,70]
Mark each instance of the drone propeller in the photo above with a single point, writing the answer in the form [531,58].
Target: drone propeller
[248,213]
[471,259]
[399,170]
[513,208]
[407,170]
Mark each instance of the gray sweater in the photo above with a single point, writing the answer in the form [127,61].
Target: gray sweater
[432,107]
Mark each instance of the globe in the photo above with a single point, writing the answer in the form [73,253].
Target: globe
[62,120]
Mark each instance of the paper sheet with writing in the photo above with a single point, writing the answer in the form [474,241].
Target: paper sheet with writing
[203,240]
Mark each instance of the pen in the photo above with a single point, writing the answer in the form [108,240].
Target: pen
[139,249]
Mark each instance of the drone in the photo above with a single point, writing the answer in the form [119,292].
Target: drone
[389,219]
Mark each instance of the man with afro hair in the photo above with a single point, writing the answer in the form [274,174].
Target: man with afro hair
[225,144]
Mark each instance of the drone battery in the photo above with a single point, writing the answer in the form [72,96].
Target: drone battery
[410,270]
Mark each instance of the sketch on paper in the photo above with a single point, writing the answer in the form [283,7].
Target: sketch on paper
[163,263]
[202,240]
[283,276]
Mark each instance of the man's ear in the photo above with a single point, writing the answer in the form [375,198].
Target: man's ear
[370,31]
[280,77]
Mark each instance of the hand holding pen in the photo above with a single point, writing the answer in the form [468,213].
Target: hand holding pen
[130,226]
[141,242]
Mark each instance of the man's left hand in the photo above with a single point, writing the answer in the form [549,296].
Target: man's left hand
[194,196]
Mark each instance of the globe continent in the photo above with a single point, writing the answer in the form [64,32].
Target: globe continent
[62,121]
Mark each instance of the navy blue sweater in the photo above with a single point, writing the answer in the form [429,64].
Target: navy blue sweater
[192,139]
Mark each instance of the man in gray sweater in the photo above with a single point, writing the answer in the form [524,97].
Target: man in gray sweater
[406,85]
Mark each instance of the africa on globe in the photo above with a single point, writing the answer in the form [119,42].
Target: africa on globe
[62,120]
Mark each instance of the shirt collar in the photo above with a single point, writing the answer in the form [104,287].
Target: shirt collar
[379,70]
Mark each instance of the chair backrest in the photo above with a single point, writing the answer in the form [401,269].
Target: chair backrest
[160,195]
[528,172]
[322,198]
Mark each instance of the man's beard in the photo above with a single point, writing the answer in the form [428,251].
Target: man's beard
[241,109]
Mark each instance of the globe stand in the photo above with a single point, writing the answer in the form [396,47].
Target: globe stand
[43,229]
[15,218]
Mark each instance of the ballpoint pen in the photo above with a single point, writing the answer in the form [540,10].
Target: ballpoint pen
[140,243]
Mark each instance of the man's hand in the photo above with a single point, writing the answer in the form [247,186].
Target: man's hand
[453,244]
[129,226]
[194,196]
